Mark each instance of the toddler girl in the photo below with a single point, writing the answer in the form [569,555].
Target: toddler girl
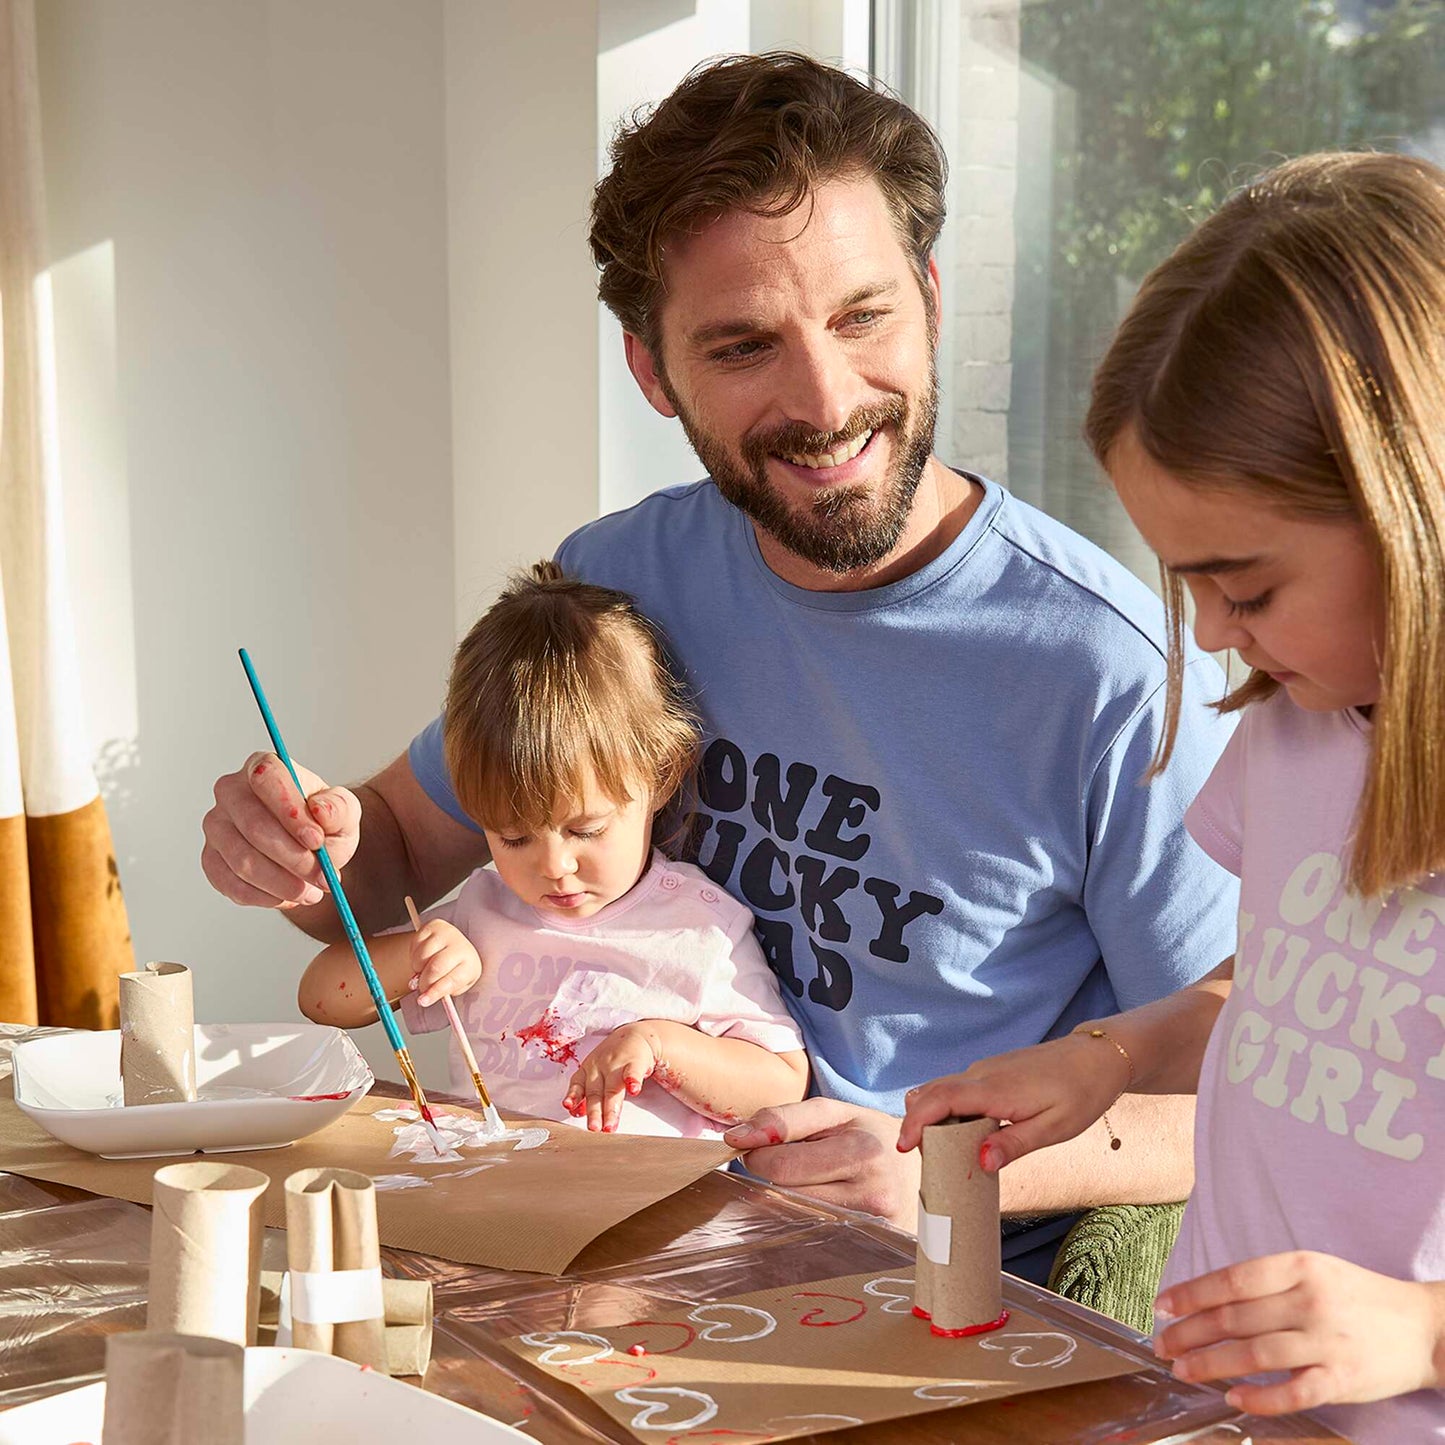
[1272,415]
[597,979]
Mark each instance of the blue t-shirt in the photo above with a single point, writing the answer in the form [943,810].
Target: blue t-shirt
[930,793]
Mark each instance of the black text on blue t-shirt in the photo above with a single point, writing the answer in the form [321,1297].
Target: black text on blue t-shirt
[766,872]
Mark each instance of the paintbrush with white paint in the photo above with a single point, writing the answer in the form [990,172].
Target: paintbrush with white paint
[489,1109]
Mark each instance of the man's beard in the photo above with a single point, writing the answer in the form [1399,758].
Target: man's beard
[843,528]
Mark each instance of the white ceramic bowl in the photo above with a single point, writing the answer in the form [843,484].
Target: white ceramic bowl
[258,1086]
[293,1397]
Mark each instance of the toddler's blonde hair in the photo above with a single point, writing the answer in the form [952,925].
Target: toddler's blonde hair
[559,679]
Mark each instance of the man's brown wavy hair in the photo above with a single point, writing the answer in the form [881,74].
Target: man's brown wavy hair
[1293,349]
[755,133]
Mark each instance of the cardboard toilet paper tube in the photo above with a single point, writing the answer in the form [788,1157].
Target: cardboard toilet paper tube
[163,1389]
[206,1250]
[408,1315]
[331,1230]
[958,1287]
[157,1035]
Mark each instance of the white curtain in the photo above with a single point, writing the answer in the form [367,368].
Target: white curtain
[63,931]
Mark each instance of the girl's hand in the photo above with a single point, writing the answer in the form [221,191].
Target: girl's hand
[443,960]
[1342,1334]
[615,1068]
[1047,1093]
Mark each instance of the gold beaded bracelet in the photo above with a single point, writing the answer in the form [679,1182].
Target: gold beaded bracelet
[1114,1141]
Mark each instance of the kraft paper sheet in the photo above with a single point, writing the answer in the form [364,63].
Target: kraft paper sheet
[164,1389]
[507,1208]
[157,1035]
[803,1360]
[205,1270]
[330,1226]
[964,1290]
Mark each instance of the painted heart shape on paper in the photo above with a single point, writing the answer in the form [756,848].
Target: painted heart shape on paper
[738,1318]
[648,1347]
[1022,1346]
[935,1392]
[833,1313]
[656,1400]
[557,1345]
[898,1304]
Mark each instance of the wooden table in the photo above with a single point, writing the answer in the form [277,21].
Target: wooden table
[73,1269]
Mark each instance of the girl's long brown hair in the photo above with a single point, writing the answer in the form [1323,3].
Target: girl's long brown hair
[557,681]
[1294,347]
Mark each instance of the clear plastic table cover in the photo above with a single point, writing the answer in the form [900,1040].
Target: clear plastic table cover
[73,1269]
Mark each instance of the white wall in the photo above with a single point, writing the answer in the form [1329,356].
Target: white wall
[521,107]
[248,214]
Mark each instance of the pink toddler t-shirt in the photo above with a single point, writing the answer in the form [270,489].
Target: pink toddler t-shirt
[1321,1116]
[674,947]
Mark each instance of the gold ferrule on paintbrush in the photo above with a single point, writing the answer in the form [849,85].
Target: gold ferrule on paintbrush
[481,1090]
[408,1072]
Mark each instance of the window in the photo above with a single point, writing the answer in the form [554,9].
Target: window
[1083,136]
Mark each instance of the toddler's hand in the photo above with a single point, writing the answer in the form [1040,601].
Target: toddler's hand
[615,1068]
[444,963]
[1047,1093]
[1341,1334]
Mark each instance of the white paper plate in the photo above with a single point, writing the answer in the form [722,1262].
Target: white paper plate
[292,1397]
[259,1086]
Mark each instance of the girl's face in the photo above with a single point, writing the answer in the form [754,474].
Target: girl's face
[588,856]
[1297,598]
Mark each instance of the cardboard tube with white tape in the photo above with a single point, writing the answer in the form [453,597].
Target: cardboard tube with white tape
[157,1035]
[957,1285]
[331,1231]
[408,1309]
[206,1251]
[165,1389]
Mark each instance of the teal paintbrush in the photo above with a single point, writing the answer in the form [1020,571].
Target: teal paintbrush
[348,922]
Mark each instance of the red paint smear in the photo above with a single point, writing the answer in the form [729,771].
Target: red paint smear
[809,1318]
[709,1434]
[544,1033]
[775,1136]
[661,1324]
[258,770]
[342,984]
[650,1373]
[921,1312]
[367,1370]
[967,1330]
[295,812]
[636,1350]
[312,1098]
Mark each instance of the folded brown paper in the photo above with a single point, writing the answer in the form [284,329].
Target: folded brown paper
[332,1245]
[206,1251]
[958,1281]
[408,1313]
[157,1035]
[803,1359]
[164,1389]
[529,1209]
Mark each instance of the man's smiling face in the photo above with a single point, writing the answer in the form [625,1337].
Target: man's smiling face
[797,351]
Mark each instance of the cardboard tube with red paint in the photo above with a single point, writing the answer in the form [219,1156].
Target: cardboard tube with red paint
[958,1282]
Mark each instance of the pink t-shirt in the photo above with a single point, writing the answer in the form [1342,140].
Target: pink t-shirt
[674,946]
[1321,1118]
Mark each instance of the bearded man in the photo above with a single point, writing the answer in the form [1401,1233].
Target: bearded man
[929,709]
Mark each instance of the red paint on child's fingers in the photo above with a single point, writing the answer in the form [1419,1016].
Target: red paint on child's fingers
[775,1135]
